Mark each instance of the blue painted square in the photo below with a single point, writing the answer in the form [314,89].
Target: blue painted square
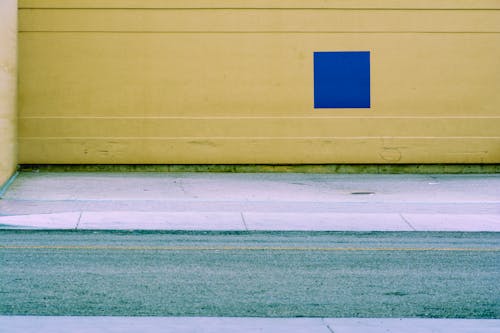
[342,79]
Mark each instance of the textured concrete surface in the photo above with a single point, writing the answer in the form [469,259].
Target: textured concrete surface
[250,274]
[214,201]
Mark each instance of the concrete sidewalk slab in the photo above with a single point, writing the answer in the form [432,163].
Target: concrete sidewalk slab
[161,221]
[411,325]
[17,324]
[325,222]
[33,324]
[253,221]
[255,187]
[41,221]
[187,201]
[451,222]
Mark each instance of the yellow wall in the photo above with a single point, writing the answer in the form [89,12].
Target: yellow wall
[8,76]
[231,81]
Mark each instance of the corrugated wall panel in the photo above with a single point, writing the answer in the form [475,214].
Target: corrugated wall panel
[232,82]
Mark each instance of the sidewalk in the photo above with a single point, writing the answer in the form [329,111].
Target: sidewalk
[266,201]
[19,324]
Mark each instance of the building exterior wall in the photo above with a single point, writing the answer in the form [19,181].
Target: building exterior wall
[232,81]
[8,77]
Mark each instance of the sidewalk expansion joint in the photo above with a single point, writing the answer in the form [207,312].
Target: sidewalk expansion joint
[407,222]
[327,326]
[78,222]
[244,222]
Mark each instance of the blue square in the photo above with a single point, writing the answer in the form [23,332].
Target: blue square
[342,79]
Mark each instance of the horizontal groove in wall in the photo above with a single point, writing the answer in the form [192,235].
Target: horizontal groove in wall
[284,8]
[256,32]
[265,117]
[262,138]
[233,4]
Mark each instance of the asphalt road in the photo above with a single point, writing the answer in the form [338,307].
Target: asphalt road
[249,274]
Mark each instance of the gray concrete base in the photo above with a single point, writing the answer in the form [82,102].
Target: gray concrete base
[29,324]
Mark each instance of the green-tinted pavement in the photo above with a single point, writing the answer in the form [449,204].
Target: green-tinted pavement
[248,274]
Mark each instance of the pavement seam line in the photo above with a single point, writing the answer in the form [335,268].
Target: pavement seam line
[244,222]
[407,222]
[327,326]
[78,222]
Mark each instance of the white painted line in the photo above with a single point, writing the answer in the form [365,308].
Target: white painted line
[450,222]
[325,222]
[118,220]
[40,221]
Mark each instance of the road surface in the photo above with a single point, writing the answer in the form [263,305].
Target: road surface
[250,274]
